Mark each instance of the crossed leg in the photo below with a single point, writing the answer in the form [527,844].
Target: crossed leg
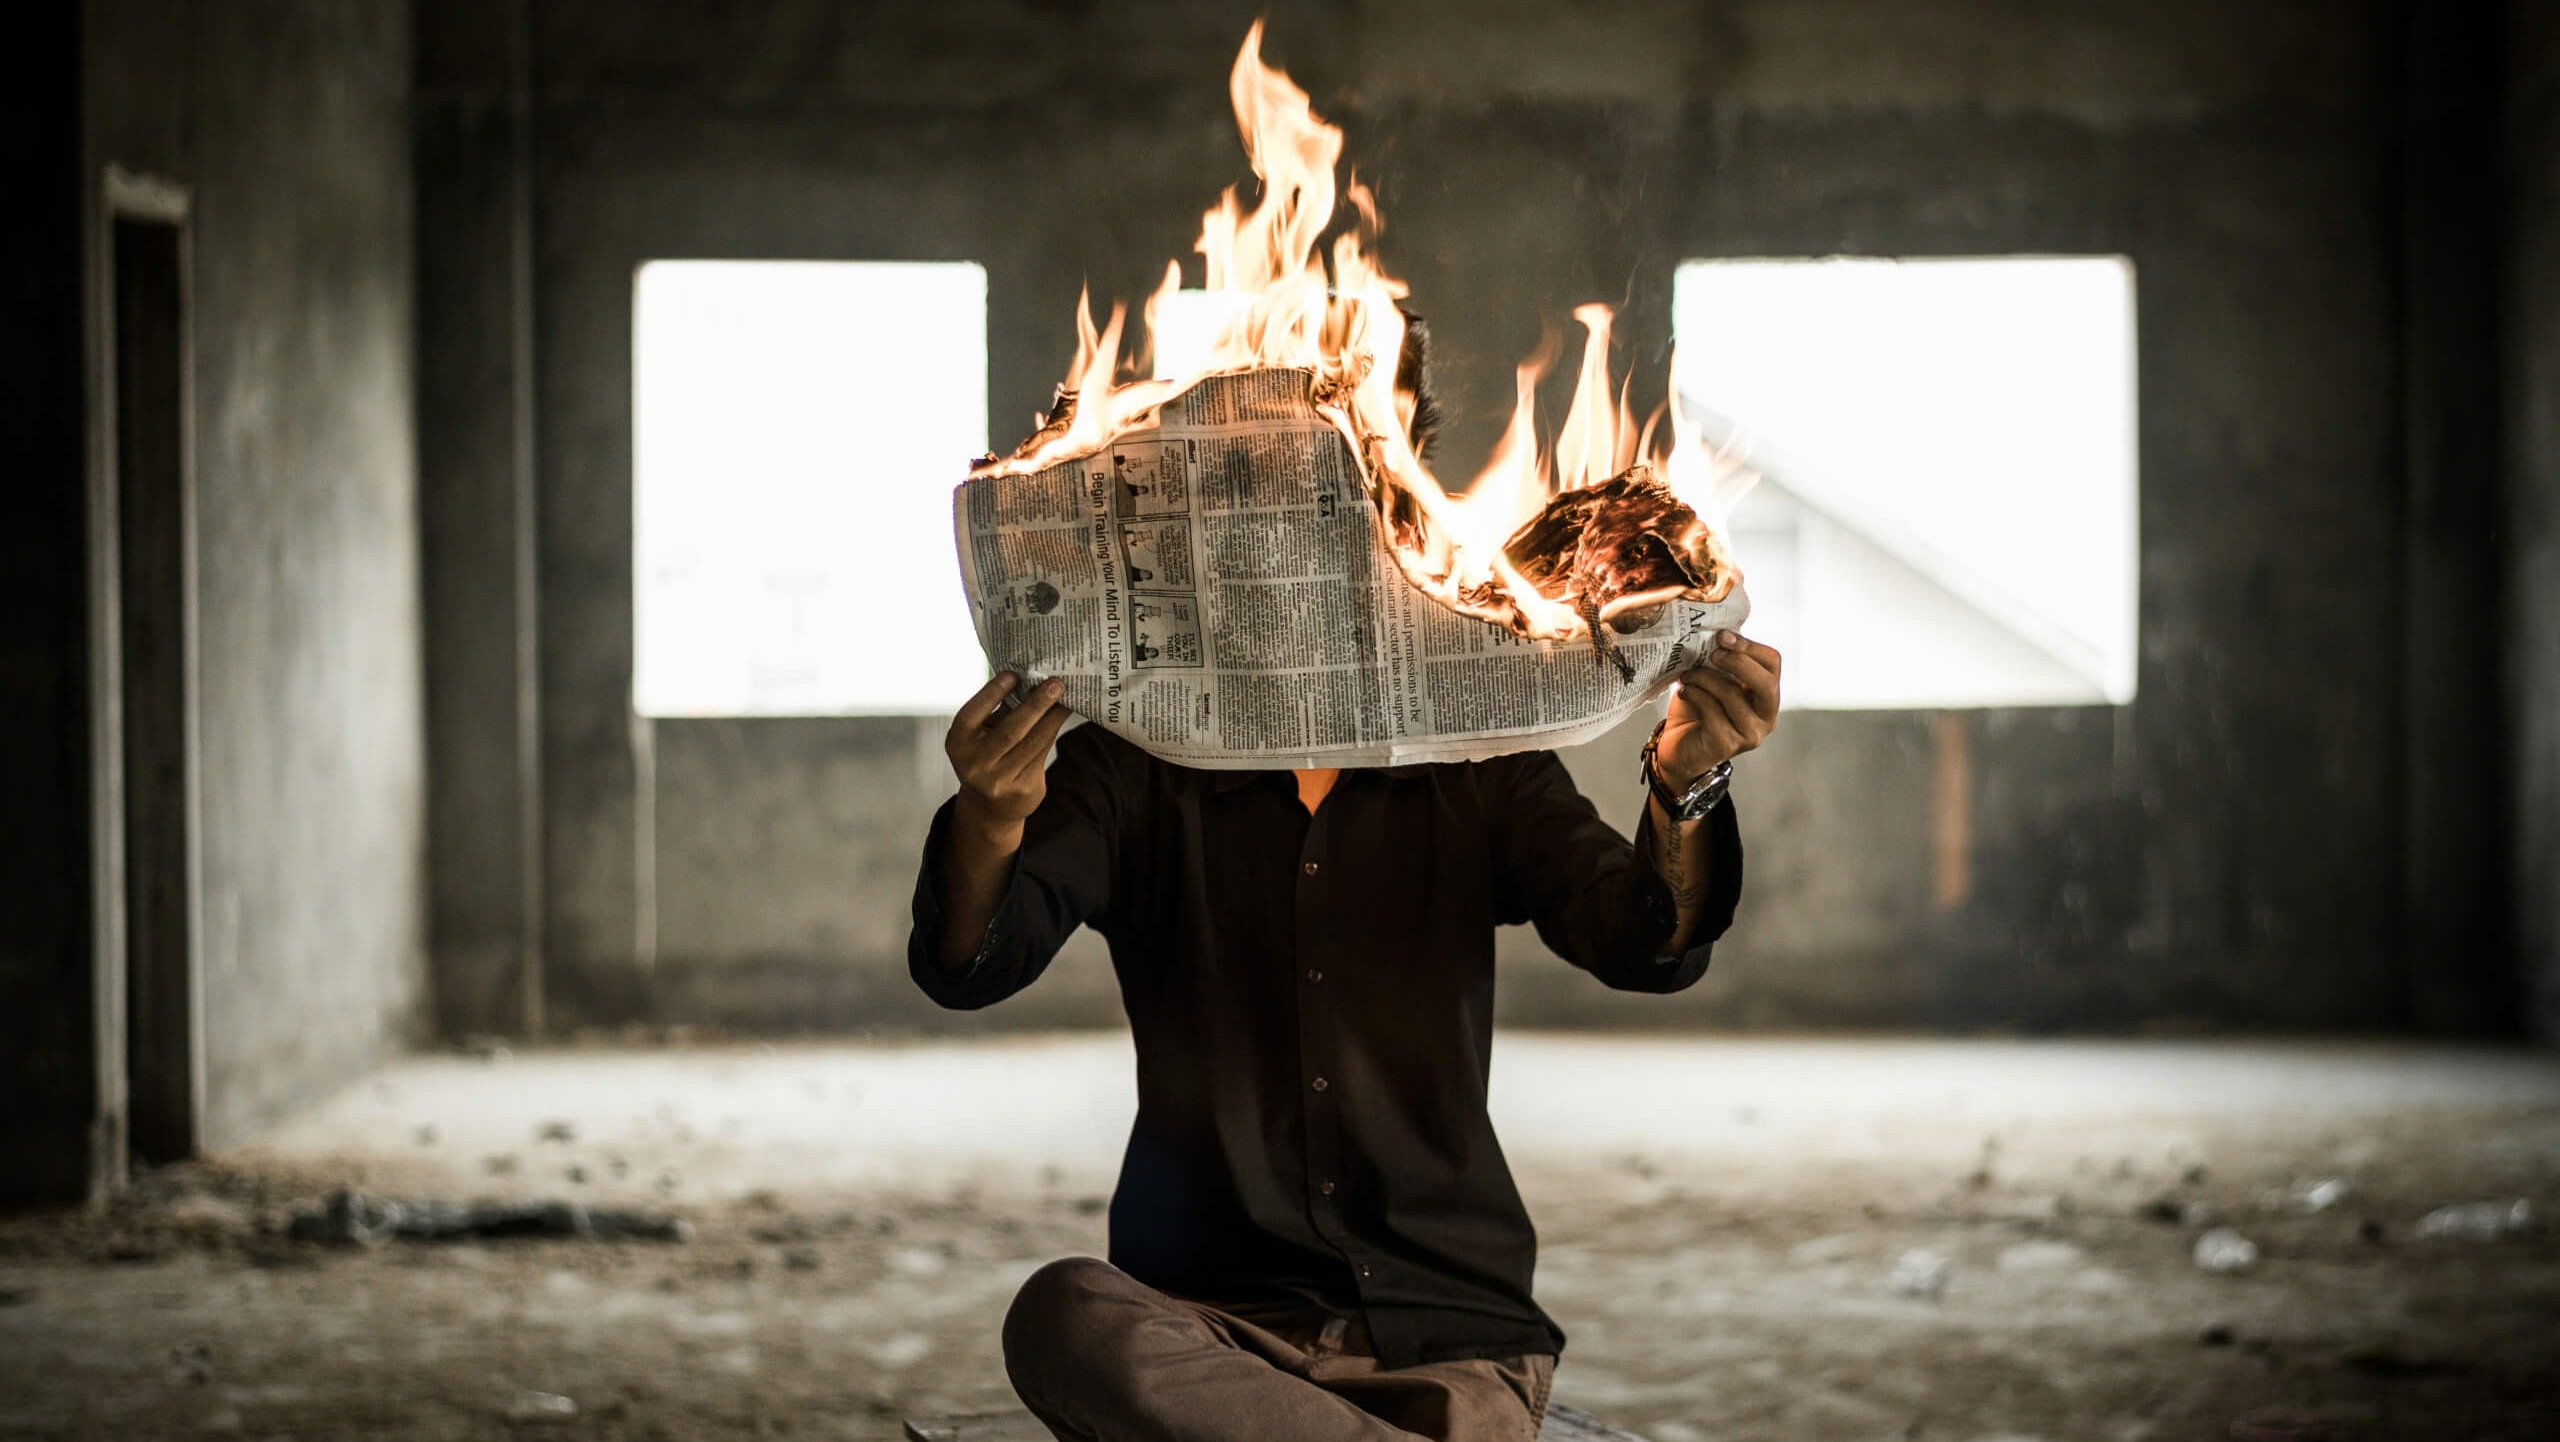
[1099,1356]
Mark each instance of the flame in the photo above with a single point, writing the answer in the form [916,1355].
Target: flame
[1292,302]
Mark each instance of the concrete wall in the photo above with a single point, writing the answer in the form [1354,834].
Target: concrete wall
[2533,449]
[289,119]
[2233,848]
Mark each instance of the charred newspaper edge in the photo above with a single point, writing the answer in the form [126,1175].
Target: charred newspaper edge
[1102,691]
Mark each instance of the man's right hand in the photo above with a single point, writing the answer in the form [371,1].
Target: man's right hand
[1002,759]
[1002,756]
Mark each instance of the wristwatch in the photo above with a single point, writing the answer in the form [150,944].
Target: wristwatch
[1703,795]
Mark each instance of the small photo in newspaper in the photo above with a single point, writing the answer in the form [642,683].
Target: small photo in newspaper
[1157,554]
[1060,556]
[1149,479]
[1020,600]
[1165,632]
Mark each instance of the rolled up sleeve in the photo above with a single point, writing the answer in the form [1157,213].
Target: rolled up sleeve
[1594,895]
[1062,878]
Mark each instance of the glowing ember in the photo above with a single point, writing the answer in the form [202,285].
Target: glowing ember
[1589,538]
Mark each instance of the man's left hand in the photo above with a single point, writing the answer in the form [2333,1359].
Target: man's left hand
[1718,711]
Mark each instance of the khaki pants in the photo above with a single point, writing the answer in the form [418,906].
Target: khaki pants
[1099,1356]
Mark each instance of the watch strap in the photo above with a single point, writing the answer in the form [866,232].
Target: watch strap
[1701,796]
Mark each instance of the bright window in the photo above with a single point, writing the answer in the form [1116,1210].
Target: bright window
[1948,514]
[797,428]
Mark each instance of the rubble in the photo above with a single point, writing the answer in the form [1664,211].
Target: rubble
[2306,1195]
[2478,1221]
[2224,1250]
[192,1366]
[205,1216]
[2177,1211]
[349,1217]
[541,1407]
[1920,1273]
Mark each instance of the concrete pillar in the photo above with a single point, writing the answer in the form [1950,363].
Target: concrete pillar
[2533,496]
[476,431]
[50,999]
[2458,956]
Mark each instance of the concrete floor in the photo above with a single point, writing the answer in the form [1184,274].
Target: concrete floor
[1722,1220]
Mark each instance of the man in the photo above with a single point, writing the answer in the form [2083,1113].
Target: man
[1315,1236]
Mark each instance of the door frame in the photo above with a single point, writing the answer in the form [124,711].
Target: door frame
[126,194]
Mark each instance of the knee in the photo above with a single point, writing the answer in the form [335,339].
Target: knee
[1056,1325]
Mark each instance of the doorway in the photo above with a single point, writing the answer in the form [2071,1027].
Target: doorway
[155,672]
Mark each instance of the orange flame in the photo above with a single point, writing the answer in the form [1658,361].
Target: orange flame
[1287,308]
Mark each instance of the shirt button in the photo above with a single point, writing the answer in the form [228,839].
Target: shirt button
[1364,1269]
[1314,974]
[1321,1083]
[1324,1189]
[1311,868]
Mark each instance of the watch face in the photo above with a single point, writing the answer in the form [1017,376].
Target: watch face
[1699,799]
[1708,790]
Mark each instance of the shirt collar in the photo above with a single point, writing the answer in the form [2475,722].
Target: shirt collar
[1222,782]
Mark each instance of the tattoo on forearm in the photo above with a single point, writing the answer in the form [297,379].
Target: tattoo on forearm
[1670,849]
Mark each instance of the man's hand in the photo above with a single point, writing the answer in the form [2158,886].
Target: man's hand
[1722,709]
[1718,711]
[1002,759]
[1001,756]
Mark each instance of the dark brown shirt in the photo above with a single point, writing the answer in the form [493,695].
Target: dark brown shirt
[1312,1001]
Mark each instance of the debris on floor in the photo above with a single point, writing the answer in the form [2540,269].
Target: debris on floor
[2478,1221]
[2319,1196]
[206,1217]
[350,1217]
[2178,1211]
[191,1366]
[1920,1273]
[540,1407]
[1741,1295]
[2224,1250]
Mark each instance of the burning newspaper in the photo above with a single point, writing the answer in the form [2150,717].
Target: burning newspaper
[1252,565]
[1214,587]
